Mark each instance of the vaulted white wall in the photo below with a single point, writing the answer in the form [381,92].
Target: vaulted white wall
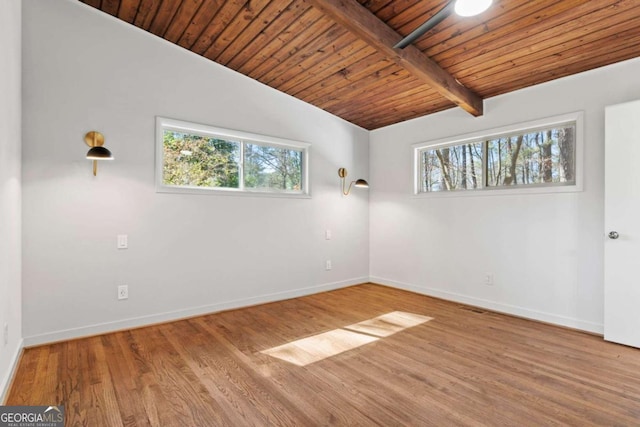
[10,142]
[544,250]
[188,254]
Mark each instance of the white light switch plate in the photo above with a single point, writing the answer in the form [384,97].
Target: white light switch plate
[123,241]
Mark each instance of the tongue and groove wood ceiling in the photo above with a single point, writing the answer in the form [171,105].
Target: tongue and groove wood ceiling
[337,54]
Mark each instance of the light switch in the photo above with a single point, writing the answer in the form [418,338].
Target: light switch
[327,234]
[123,241]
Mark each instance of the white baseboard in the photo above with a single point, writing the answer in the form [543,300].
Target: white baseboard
[141,321]
[6,381]
[555,319]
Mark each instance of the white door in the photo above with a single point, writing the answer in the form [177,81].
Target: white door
[622,224]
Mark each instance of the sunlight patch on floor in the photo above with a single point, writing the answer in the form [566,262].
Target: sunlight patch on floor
[388,324]
[308,350]
[318,347]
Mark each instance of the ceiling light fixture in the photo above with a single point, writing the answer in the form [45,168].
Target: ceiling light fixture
[464,8]
[471,7]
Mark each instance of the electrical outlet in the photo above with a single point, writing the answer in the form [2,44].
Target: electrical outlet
[123,292]
[328,265]
[488,279]
[5,334]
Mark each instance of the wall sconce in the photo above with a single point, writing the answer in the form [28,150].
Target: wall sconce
[95,140]
[360,183]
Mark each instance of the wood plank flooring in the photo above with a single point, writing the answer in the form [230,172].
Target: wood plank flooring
[464,367]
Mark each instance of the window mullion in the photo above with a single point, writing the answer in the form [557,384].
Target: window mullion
[485,164]
[241,165]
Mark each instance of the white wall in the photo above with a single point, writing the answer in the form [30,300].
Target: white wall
[10,143]
[187,254]
[545,250]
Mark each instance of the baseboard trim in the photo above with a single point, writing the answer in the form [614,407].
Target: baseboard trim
[142,321]
[5,385]
[541,316]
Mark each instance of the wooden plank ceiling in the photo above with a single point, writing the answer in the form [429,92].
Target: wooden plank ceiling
[345,66]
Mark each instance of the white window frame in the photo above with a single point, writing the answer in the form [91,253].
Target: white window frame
[576,117]
[163,123]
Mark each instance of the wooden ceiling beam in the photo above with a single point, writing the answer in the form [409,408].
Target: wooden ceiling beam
[360,21]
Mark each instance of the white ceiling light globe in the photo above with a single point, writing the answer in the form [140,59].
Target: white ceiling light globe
[471,7]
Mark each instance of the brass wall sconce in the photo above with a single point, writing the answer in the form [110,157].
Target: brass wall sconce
[95,140]
[360,183]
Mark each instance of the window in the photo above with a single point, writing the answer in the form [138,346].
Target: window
[199,158]
[536,155]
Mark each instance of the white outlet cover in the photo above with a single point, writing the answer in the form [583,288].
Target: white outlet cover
[123,292]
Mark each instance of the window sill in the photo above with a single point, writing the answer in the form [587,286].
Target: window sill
[229,192]
[557,189]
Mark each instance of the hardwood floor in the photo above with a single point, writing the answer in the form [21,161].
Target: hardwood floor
[462,367]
